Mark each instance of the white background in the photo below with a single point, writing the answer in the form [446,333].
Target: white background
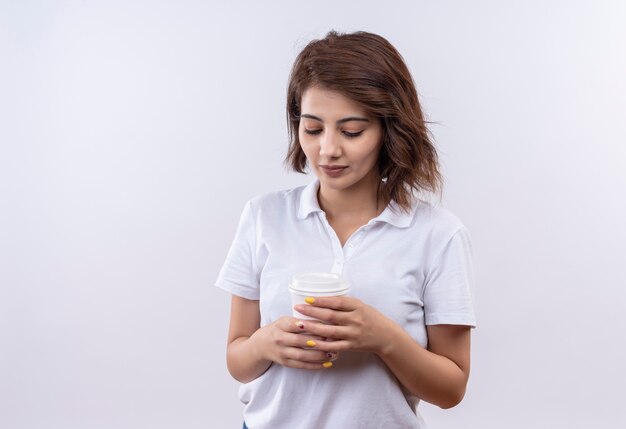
[133,132]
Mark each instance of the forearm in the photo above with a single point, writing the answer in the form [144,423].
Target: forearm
[244,360]
[437,375]
[429,376]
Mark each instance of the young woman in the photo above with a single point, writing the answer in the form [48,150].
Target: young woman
[403,334]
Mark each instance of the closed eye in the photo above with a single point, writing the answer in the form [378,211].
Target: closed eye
[312,132]
[349,134]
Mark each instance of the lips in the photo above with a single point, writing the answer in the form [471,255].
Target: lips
[333,170]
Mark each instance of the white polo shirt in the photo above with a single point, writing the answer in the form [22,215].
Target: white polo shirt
[413,267]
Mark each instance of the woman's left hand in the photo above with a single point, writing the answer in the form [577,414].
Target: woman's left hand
[437,375]
[350,323]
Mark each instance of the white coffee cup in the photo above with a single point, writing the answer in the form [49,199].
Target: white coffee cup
[314,285]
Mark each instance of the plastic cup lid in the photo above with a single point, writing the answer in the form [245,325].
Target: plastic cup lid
[318,282]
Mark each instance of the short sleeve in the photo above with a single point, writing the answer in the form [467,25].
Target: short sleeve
[448,292]
[239,274]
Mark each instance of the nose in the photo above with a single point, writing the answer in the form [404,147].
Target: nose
[330,145]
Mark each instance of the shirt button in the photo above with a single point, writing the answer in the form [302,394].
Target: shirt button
[351,244]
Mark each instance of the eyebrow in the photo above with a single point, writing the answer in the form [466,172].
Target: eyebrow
[340,121]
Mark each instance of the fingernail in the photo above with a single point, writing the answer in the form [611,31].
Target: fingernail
[300,324]
[309,300]
[327,364]
[311,343]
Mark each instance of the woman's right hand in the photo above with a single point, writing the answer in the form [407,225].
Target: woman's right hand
[253,349]
[285,343]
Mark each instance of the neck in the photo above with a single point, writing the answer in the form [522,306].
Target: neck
[357,202]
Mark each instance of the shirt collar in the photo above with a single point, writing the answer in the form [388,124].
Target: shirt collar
[392,214]
[308,200]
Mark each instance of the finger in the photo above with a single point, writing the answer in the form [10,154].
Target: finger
[291,324]
[316,338]
[320,345]
[302,341]
[332,356]
[323,331]
[308,356]
[334,347]
[306,365]
[315,343]
[322,313]
[339,303]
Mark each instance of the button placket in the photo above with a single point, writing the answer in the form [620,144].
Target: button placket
[338,263]
[338,255]
[353,242]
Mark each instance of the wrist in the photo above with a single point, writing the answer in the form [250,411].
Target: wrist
[257,351]
[393,336]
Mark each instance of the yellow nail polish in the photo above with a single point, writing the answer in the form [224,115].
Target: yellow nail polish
[309,300]
[327,364]
[311,343]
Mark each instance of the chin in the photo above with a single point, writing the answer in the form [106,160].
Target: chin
[336,184]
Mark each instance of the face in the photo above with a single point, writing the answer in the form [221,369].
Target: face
[340,140]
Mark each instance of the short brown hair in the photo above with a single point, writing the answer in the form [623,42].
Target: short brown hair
[366,68]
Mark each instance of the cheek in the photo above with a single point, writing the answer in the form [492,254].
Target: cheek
[307,145]
[372,153]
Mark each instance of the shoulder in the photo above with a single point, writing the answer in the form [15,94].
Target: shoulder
[442,233]
[437,221]
[276,203]
[279,198]
[436,215]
